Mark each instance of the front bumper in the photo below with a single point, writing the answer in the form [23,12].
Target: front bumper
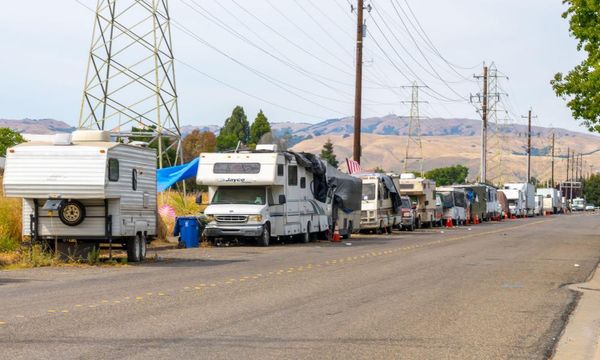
[233,230]
[407,221]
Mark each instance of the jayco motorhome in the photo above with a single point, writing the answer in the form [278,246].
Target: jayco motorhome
[264,194]
[85,188]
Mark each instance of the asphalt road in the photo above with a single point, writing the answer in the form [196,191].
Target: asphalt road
[491,292]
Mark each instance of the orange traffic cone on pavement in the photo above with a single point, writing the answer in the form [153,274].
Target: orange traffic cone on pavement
[505,216]
[449,223]
[336,234]
[476,220]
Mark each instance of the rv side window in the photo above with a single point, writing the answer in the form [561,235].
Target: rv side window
[113,169]
[279,169]
[293,175]
[134,179]
[303,182]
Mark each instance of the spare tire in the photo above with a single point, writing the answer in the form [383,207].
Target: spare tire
[71,212]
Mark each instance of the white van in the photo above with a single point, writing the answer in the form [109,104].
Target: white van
[381,205]
[454,203]
[264,194]
[85,188]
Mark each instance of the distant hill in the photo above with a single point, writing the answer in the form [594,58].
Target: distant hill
[40,126]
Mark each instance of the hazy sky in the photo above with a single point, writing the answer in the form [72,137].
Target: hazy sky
[45,43]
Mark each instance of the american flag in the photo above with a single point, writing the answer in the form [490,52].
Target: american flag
[353,166]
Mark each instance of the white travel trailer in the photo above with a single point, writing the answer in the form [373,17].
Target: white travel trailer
[539,205]
[516,203]
[552,199]
[85,188]
[528,196]
[493,206]
[454,203]
[381,205]
[422,192]
[264,194]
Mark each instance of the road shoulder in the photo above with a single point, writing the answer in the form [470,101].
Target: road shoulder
[580,338]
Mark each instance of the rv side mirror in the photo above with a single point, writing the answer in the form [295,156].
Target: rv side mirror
[282,199]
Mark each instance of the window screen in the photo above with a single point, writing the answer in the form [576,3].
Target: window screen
[303,182]
[280,170]
[293,175]
[236,168]
[113,169]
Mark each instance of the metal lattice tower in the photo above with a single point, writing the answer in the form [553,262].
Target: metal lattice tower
[130,79]
[497,139]
[414,132]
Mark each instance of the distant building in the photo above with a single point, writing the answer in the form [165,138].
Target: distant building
[571,189]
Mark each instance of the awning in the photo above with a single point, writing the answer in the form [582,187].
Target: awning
[166,177]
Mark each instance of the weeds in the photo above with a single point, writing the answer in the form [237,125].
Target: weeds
[93,257]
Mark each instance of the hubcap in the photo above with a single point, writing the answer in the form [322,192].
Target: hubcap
[71,213]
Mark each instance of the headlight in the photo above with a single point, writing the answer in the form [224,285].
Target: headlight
[209,218]
[255,218]
[406,213]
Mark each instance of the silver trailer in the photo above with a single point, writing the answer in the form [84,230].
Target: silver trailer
[86,189]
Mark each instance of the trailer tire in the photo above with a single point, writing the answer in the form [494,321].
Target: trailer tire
[134,249]
[143,247]
[265,238]
[71,212]
[306,236]
[348,231]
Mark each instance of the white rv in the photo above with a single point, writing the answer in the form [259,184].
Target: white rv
[528,196]
[516,203]
[264,194]
[454,203]
[539,205]
[85,188]
[493,206]
[381,205]
[422,192]
[552,199]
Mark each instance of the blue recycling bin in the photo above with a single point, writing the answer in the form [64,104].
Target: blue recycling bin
[189,229]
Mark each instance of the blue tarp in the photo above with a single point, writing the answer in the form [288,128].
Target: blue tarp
[166,177]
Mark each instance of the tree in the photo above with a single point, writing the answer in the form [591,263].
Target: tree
[259,127]
[591,189]
[198,142]
[328,155]
[9,138]
[235,129]
[581,86]
[379,169]
[450,175]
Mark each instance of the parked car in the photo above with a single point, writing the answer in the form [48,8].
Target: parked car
[409,216]
[590,207]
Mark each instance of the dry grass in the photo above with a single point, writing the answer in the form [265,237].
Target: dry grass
[179,205]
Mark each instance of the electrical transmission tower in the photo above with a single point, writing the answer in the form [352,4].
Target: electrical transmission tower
[497,139]
[130,83]
[414,131]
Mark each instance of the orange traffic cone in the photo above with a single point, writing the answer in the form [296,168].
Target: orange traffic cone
[505,216]
[336,234]
[449,223]
[476,220]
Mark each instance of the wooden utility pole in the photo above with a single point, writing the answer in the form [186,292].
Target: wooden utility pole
[568,157]
[484,126]
[358,91]
[528,144]
[553,159]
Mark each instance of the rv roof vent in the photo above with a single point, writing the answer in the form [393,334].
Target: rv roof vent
[266,147]
[91,136]
[139,143]
[62,139]
[407,176]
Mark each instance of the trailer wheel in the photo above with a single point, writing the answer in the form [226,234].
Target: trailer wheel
[71,212]
[306,235]
[348,231]
[143,247]
[134,249]
[265,238]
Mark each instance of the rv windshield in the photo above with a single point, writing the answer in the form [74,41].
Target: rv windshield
[447,201]
[368,192]
[247,195]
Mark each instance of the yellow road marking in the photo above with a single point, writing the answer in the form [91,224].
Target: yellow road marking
[51,311]
[64,311]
